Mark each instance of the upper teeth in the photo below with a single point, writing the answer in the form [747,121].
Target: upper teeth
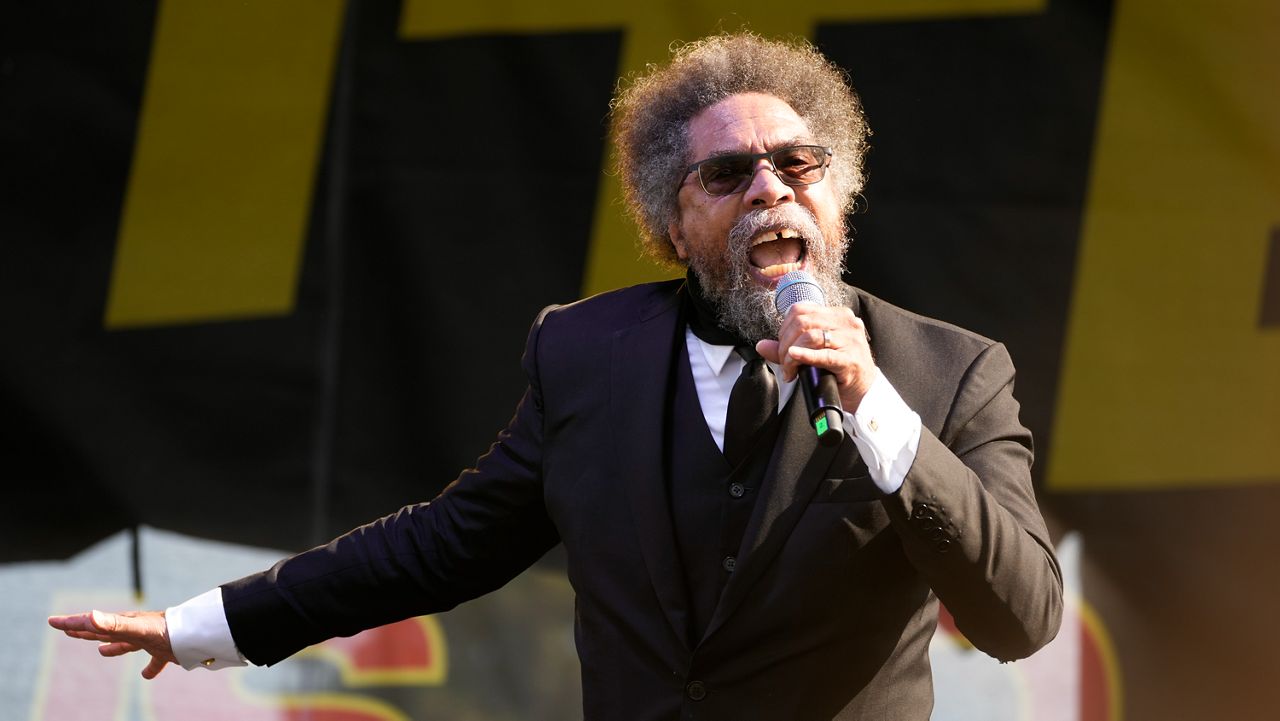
[772,235]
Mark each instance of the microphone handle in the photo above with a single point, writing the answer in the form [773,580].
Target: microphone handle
[822,398]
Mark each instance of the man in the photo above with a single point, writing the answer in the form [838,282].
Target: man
[726,565]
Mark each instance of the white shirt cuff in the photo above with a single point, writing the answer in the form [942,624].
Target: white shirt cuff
[886,432]
[199,634]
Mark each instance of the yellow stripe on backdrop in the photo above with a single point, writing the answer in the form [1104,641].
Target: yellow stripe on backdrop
[229,138]
[1168,378]
[231,128]
[649,30]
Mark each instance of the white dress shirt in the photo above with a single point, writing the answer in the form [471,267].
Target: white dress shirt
[885,431]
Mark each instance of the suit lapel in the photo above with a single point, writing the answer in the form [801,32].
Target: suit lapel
[797,465]
[639,391]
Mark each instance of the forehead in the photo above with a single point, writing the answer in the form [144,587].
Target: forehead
[749,122]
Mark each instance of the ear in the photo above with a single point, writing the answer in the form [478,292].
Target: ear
[677,240]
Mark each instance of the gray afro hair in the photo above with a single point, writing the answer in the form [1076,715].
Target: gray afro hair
[651,115]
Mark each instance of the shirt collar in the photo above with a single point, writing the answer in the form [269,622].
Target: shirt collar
[716,355]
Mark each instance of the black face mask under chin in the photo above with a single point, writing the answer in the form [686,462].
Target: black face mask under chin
[703,317]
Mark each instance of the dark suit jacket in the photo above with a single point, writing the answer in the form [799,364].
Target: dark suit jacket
[833,602]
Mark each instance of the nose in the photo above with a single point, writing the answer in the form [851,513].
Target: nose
[767,189]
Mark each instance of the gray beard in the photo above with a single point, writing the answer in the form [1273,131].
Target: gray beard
[742,306]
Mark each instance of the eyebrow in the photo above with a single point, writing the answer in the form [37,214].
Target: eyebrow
[796,140]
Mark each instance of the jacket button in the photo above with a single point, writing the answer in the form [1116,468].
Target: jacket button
[942,546]
[730,563]
[737,490]
[696,690]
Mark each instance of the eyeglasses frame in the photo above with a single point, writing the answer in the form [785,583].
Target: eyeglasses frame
[773,167]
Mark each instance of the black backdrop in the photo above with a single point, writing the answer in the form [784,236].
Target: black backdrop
[420,275]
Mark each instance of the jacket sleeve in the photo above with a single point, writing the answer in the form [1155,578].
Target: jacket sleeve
[968,519]
[481,531]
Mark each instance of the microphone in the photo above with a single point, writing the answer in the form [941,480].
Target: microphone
[821,395]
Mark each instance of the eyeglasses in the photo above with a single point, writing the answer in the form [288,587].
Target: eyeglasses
[794,165]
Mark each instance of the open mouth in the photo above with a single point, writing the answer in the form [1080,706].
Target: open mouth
[776,252]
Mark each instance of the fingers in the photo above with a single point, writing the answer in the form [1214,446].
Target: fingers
[831,338]
[89,636]
[796,356]
[114,631]
[92,626]
[819,328]
[122,633]
[118,648]
[154,668]
[94,621]
[142,629]
[809,320]
[74,622]
[816,357]
[793,339]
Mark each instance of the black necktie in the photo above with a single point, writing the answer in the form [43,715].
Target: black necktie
[752,402]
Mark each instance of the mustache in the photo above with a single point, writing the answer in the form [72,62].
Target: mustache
[790,215]
[746,308]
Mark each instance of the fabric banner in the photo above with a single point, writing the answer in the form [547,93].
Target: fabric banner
[267,269]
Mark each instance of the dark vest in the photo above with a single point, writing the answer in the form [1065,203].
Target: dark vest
[711,502]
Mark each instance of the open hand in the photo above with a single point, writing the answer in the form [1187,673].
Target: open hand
[121,633]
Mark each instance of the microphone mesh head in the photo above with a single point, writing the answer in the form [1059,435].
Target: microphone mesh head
[794,287]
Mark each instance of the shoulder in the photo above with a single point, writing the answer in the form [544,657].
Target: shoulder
[892,327]
[614,310]
[585,328]
[930,362]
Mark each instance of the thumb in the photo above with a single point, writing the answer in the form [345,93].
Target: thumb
[121,626]
[104,622]
[768,349]
[154,668]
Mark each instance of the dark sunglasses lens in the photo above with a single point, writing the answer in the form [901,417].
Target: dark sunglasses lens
[801,165]
[725,176]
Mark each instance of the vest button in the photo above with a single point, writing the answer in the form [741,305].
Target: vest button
[696,690]
[737,490]
[730,563]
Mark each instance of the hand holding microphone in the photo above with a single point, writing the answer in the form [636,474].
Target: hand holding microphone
[826,347]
